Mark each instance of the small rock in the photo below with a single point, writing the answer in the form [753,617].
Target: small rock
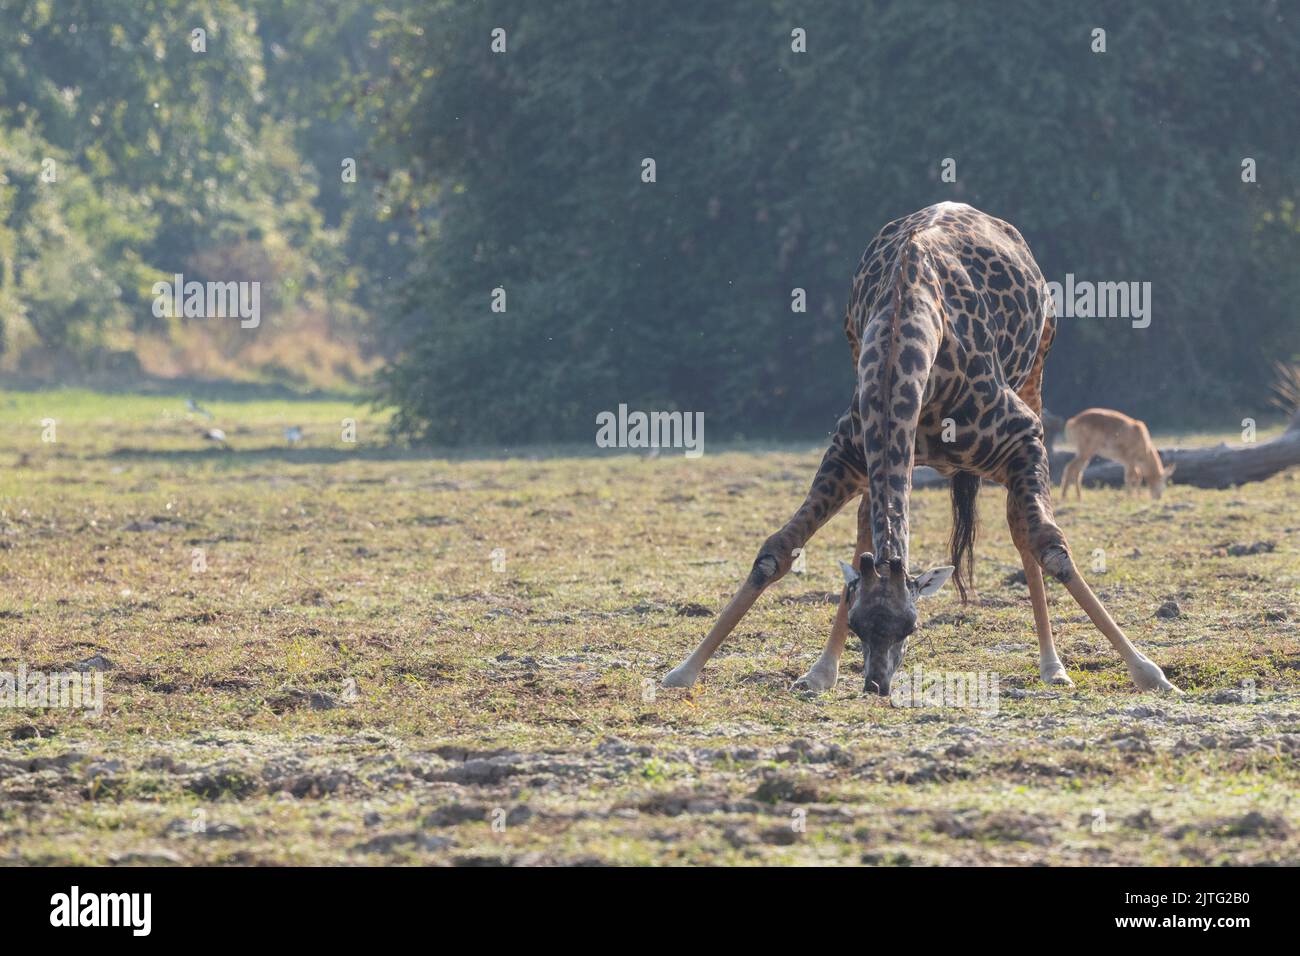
[165,763]
[1169,610]
[1253,823]
[223,831]
[1142,711]
[1132,745]
[97,662]
[783,788]
[147,525]
[188,827]
[1227,696]
[737,836]
[1242,550]
[294,697]
[1142,820]
[780,836]
[618,747]
[222,783]
[455,814]
[103,768]
[1129,741]
[701,807]
[390,842]
[693,610]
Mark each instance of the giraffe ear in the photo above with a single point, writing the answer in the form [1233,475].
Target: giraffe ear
[851,576]
[927,583]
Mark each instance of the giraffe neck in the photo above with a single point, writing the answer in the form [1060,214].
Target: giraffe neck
[900,343]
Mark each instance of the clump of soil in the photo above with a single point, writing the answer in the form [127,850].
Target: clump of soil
[778,787]
[1241,550]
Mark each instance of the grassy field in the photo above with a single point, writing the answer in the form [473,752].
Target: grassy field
[343,653]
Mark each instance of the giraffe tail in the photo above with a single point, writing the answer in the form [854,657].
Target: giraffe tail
[965,524]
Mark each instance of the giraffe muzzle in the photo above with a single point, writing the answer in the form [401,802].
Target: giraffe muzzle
[880,660]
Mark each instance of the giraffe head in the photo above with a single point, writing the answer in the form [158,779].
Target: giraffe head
[882,612]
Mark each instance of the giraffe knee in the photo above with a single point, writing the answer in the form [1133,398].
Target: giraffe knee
[1054,556]
[766,569]
[773,561]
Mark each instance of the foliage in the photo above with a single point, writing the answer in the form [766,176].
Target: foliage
[522,171]
[165,160]
[774,169]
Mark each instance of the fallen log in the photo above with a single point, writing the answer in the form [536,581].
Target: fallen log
[1222,466]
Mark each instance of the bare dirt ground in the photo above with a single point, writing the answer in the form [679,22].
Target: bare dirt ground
[387,658]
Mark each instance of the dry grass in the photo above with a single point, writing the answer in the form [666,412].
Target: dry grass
[349,680]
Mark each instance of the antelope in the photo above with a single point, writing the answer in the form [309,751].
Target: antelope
[949,324]
[1112,434]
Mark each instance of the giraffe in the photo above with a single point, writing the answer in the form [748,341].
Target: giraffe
[949,323]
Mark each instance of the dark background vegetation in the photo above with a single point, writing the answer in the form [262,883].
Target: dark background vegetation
[522,170]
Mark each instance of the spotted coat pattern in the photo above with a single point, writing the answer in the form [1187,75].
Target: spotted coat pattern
[949,327]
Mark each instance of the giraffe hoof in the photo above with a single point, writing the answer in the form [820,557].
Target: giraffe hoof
[680,676]
[1148,676]
[1055,675]
[817,680]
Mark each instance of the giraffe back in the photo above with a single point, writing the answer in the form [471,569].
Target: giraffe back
[996,322]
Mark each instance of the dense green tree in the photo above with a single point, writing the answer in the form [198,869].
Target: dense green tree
[775,167]
[522,170]
[170,159]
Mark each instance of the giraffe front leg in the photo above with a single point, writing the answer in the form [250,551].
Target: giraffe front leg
[838,479]
[826,671]
[1028,486]
[685,673]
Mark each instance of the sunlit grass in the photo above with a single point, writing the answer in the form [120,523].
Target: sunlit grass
[365,574]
